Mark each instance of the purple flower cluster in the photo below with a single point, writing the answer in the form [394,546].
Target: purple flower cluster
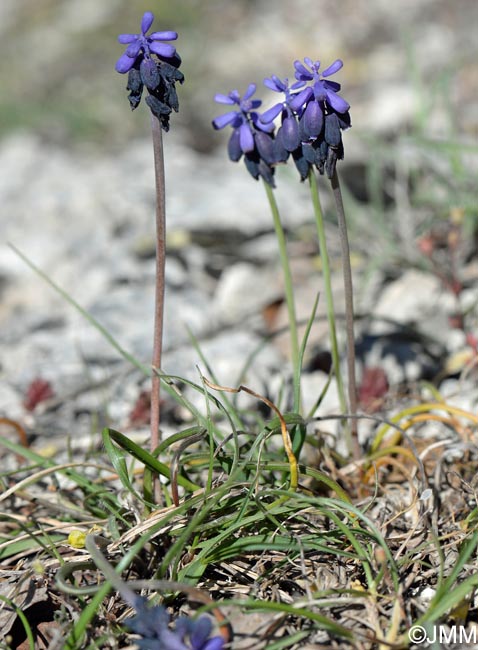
[250,136]
[152,625]
[313,116]
[150,62]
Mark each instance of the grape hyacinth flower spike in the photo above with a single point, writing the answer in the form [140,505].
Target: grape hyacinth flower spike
[250,138]
[288,137]
[323,115]
[152,63]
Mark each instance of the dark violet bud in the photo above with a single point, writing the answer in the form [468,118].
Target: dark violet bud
[234,146]
[330,163]
[290,133]
[309,152]
[316,153]
[159,110]
[135,82]
[303,135]
[344,120]
[280,152]
[153,64]
[258,168]
[171,98]
[321,153]
[250,137]
[265,146]
[157,107]
[332,133]
[150,74]
[135,86]
[266,172]
[301,163]
[312,119]
[170,74]
[251,160]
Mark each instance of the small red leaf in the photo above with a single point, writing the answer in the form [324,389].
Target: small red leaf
[38,391]
[373,387]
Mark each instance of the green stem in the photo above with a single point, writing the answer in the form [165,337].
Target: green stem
[349,311]
[319,220]
[289,295]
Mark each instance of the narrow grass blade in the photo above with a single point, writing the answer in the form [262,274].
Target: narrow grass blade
[147,459]
[24,621]
[96,324]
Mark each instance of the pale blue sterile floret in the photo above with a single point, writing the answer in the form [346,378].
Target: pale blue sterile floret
[241,119]
[250,137]
[279,86]
[289,132]
[321,89]
[143,45]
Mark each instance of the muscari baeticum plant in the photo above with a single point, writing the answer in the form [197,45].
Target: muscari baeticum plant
[313,116]
[153,64]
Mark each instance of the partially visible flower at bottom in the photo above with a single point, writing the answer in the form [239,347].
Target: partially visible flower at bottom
[250,137]
[152,624]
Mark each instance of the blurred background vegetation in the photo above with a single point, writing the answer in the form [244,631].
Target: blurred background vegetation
[410,75]
[402,60]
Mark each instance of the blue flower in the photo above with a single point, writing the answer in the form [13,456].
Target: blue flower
[322,90]
[322,115]
[288,134]
[142,46]
[152,624]
[150,62]
[251,137]
[242,120]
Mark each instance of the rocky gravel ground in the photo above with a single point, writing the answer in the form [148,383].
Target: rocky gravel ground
[87,224]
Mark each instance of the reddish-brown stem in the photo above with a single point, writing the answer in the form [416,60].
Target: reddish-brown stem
[159,287]
[349,310]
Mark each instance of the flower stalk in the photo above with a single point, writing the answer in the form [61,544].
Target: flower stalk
[324,257]
[289,294]
[159,281]
[349,313]
[153,65]
[312,117]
